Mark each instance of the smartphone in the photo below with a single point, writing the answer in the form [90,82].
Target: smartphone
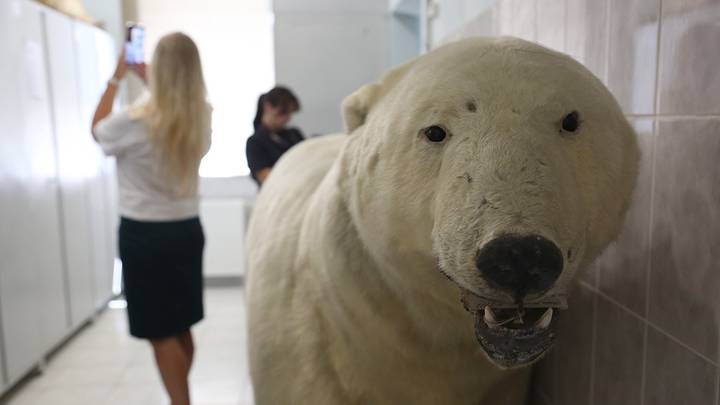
[134,52]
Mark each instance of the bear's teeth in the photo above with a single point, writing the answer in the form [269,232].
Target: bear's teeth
[489,317]
[544,321]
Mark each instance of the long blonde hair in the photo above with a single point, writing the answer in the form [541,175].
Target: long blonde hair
[177,113]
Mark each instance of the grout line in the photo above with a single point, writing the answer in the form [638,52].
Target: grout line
[643,372]
[717,386]
[565,27]
[593,347]
[648,323]
[657,57]
[648,265]
[535,24]
[608,27]
[555,378]
[678,341]
[648,269]
[4,375]
[596,274]
[612,300]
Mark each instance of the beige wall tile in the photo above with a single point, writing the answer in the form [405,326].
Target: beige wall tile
[685,269]
[632,59]
[618,356]
[544,381]
[504,14]
[674,375]
[523,21]
[586,34]
[623,266]
[573,349]
[689,57]
[550,23]
[601,363]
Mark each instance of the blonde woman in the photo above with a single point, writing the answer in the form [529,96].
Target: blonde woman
[158,147]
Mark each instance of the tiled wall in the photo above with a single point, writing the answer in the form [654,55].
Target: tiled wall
[642,328]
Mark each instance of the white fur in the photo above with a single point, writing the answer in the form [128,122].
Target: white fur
[347,301]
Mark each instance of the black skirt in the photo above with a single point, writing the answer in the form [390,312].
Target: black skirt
[162,275]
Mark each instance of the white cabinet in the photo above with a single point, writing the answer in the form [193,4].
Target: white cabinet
[79,55]
[224,223]
[89,92]
[9,128]
[32,296]
[56,245]
[103,257]
[103,216]
[75,168]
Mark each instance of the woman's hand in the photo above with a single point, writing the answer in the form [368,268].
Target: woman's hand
[105,106]
[121,67]
[140,70]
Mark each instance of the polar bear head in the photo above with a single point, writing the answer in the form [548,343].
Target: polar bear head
[500,163]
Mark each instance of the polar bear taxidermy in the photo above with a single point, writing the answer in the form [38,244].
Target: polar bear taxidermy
[424,257]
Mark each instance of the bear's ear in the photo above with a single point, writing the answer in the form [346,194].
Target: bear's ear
[357,106]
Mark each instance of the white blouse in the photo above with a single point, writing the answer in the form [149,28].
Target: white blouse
[144,194]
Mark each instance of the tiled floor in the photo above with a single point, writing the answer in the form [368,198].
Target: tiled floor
[103,365]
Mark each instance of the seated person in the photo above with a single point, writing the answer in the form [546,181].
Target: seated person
[271,138]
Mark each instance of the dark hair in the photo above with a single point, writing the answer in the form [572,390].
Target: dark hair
[278,96]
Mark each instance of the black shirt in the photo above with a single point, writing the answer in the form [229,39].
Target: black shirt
[263,151]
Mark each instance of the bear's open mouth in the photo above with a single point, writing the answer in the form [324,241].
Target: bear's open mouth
[514,336]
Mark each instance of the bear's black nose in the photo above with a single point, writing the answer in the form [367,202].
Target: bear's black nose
[520,265]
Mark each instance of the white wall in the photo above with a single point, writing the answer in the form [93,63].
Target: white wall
[406,30]
[109,14]
[325,50]
[225,207]
[330,6]
[451,15]
[236,46]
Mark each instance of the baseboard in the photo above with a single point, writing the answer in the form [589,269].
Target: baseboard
[224,281]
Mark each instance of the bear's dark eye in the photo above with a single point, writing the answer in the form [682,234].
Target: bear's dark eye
[571,122]
[435,133]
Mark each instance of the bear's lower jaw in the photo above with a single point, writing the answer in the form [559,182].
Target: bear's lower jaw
[518,340]
[512,336]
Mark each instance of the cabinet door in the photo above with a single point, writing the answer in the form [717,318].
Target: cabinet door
[96,56]
[75,168]
[103,257]
[31,284]
[9,124]
[105,212]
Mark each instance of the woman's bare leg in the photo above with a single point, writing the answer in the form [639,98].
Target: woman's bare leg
[174,366]
[186,341]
